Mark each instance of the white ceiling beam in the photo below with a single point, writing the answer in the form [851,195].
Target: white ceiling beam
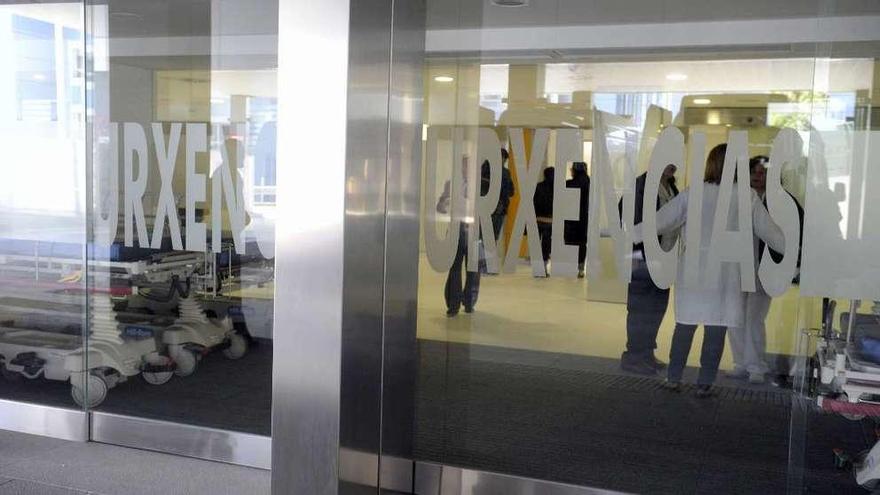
[193,45]
[656,35]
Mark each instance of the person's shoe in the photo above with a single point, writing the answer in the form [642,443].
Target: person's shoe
[703,391]
[451,312]
[468,309]
[656,363]
[638,367]
[581,273]
[781,381]
[672,386]
[737,374]
[756,378]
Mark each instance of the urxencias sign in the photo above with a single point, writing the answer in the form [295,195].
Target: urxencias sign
[841,235]
[826,268]
[136,174]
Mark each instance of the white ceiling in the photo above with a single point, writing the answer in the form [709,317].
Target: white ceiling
[456,14]
[242,33]
[616,30]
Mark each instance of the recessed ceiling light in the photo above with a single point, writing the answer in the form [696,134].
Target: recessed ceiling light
[702,101]
[510,3]
[676,76]
[39,77]
[126,16]
[444,78]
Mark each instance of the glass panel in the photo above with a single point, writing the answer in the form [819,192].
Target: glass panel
[552,226]
[182,125]
[840,314]
[42,201]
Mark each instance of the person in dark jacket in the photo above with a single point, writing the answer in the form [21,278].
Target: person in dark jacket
[544,212]
[456,295]
[500,212]
[646,303]
[576,231]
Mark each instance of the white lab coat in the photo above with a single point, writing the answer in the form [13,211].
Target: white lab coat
[722,305]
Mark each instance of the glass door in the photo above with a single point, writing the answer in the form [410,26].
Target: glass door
[42,216]
[630,215]
[181,119]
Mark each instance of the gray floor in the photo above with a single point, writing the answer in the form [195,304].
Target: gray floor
[580,420]
[43,466]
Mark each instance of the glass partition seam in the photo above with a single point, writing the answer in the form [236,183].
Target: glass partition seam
[383,319]
[88,120]
[400,275]
[800,395]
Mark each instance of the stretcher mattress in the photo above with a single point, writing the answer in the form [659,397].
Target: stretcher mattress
[115,252]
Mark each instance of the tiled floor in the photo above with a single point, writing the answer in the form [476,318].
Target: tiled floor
[519,311]
[43,466]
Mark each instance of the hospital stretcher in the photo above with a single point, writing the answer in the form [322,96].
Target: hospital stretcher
[846,375]
[145,315]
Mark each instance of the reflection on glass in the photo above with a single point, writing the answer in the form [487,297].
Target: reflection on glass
[176,205]
[677,354]
[42,200]
[181,291]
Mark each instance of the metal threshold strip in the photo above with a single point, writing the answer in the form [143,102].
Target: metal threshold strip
[437,479]
[234,447]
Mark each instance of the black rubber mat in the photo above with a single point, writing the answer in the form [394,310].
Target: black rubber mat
[557,418]
[551,416]
[224,394]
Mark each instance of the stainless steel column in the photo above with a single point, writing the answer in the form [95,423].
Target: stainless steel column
[363,294]
[400,365]
[346,273]
[313,41]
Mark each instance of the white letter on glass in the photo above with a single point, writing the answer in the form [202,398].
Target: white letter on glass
[661,264]
[196,142]
[776,277]
[166,207]
[735,246]
[440,251]
[488,148]
[135,142]
[566,202]
[233,192]
[527,173]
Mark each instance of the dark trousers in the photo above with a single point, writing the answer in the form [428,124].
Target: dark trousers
[645,306]
[710,355]
[582,253]
[454,293]
[497,224]
[544,231]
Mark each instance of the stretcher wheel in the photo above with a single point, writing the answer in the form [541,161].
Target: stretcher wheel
[238,346]
[850,416]
[95,393]
[158,377]
[186,362]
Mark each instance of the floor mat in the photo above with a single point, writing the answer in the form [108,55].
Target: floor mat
[225,394]
[557,418]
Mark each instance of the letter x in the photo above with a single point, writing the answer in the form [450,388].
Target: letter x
[527,174]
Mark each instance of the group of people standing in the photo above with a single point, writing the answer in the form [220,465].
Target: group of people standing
[458,296]
[575,232]
[722,310]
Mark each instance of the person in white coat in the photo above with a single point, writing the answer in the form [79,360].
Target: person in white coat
[749,342]
[716,308]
